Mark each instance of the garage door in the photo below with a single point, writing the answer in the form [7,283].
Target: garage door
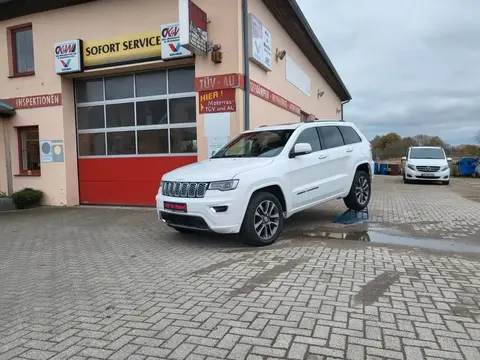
[132,129]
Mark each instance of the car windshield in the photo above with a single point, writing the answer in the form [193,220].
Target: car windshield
[268,143]
[427,153]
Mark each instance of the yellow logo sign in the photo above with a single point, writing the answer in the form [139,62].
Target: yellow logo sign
[122,49]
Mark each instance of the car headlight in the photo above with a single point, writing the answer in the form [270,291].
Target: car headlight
[445,168]
[412,167]
[226,185]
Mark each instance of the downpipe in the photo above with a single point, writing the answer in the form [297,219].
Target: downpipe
[246,65]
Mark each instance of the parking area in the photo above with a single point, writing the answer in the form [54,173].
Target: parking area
[94,283]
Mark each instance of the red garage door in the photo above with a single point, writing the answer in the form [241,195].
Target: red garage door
[132,129]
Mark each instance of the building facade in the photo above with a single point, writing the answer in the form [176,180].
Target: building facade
[101,98]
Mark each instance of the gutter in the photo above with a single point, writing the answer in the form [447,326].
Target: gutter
[246,65]
[341,106]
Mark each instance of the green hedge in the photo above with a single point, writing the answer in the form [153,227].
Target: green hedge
[27,198]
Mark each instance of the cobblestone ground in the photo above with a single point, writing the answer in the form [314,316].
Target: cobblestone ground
[87,283]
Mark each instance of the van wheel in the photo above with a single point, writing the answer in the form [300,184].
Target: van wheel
[360,192]
[263,221]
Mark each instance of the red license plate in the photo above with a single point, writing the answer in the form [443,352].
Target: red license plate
[178,207]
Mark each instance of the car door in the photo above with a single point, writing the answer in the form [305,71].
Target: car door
[355,150]
[308,173]
[338,156]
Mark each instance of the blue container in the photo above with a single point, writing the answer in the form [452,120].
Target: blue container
[383,169]
[376,168]
[466,166]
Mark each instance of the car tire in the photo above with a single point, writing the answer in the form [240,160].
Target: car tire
[446,182]
[405,181]
[360,192]
[264,209]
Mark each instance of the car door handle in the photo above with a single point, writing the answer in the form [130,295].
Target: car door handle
[349,150]
[323,156]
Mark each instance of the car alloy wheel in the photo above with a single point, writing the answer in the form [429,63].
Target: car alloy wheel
[266,220]
[362,190]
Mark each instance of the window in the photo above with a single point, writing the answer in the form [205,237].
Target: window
[22,51]
[310,136]
[331,136]
[29,150]
[349,134]
[147,113]
[427,153]
[255,144]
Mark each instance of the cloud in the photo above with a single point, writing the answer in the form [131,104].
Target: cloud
[411,66]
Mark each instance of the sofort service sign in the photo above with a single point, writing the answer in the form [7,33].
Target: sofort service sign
[68,57]
[171,48]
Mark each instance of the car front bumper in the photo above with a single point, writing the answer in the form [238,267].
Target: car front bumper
[427,176]
[220,212]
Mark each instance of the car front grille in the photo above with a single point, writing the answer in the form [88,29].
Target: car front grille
[428,168]
[184,189]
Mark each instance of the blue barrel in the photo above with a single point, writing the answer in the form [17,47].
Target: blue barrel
[376,168]
[383,169]
[466,166]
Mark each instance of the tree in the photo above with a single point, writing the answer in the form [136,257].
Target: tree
[390,138]
[436,141]
[421,140]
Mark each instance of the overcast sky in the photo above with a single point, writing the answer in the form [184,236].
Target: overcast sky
[412,66]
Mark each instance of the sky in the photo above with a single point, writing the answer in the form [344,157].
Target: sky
[411,66]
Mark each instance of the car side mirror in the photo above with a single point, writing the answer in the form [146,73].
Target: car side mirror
[404,158]
[301,149]
[449,159]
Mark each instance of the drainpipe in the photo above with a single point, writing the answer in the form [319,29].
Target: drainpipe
[341,108]
[246,64]
[8,159]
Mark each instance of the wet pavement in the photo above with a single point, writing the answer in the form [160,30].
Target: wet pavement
[93,283]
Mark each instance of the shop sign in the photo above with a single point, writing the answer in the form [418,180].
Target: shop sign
[193,27]
[260,44]
[273,98]
[217,101]
[122,50]
[217,82]
[171,48]
[36,101]
[68,56]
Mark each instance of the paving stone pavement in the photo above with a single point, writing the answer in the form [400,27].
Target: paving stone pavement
[89,283]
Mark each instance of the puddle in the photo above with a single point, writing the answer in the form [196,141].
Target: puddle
[377,236]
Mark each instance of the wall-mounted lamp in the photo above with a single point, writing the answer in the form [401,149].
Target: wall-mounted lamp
[320,93]
[339,111]
[280,55]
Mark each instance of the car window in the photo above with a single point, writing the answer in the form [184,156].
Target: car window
[427,153]
[310,136]
[255,144]
[331,136]
[350,136]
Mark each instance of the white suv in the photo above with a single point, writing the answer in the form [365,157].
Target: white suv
[264,176]
[426,163]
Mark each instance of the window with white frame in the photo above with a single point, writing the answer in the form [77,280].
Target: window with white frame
[141,114]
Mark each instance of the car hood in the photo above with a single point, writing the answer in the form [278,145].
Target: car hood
[428,162]
[215,169]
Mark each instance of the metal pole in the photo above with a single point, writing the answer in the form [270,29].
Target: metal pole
[246,64]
